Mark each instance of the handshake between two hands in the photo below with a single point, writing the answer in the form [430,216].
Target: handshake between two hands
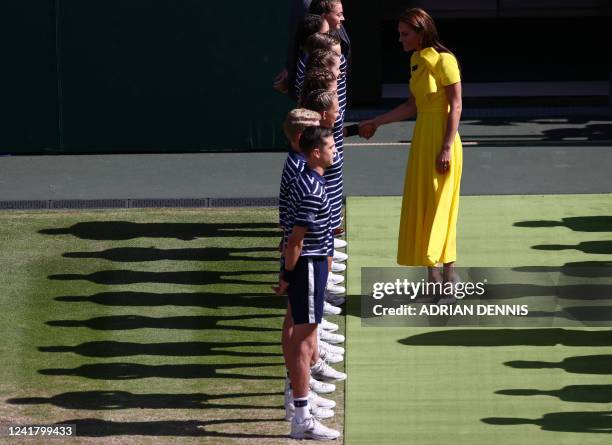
[367,129]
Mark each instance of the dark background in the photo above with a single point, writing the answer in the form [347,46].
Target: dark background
[141,75]
[118,76]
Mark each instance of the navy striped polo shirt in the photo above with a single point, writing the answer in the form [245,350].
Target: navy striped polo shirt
[294,165]
[309,207]
[334,174]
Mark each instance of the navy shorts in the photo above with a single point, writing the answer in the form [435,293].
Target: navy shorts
[307,291]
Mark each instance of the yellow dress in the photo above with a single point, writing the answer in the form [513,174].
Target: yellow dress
[427,234]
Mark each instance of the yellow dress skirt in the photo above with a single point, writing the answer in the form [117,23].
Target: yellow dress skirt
[428,225]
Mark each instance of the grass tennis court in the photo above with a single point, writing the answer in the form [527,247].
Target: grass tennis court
[435,386]
[145,324]
[142,324]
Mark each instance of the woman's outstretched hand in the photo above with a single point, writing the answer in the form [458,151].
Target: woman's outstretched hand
[443,161]
[367,129]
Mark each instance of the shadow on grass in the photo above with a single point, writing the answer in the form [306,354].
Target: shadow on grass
[185,349]
[352,307]
[114,400]
[588,269]
[592,247]
[126,322]
[510,337]
[193,428]
[131,371]
[578,313]
[569,291]
[568,422]
[509,291]
[197,299]
[575,223]
[125,230]
[573,393]
[138,254]
[587,364]
[195,277]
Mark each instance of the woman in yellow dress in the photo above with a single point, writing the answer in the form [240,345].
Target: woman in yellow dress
[427,235]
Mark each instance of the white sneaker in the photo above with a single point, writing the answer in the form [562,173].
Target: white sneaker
[340,257]
[334,279]
[321,402]
[321,387]
[447,300]
[339,243]
[334,349]
[311,428]
[328,325]
[338,267]
[335,300]
[328,309]
[334,289]
[330,338]
[313,399]
[330,357]
[321,370]
[317,410]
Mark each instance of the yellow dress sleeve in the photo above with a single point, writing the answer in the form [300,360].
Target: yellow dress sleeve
[448,69]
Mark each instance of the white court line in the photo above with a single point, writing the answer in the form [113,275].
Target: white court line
[392,144]
[376,144]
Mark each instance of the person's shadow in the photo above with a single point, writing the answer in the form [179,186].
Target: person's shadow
[191,277]
[585,269]
[181,428]
[177,349]
[568,422]
[591,132]
[602,223]
[114,400]
[603,247]
[129,322]
[125,230]
[510,337]
[588,364]
[131,371]
[214,300]
[572,393]
[141,254]
[588,315]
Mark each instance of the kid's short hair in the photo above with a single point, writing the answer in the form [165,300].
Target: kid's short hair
[312,137]
[299,119]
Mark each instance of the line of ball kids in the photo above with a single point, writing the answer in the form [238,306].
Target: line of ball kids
[311,215]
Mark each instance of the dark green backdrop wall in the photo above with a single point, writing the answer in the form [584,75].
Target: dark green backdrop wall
[29,76]
[142,75]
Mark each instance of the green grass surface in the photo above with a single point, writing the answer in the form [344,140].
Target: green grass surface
[437,385]
[144,326]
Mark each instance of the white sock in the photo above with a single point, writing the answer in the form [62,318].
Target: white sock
[302,410]
[287,383]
